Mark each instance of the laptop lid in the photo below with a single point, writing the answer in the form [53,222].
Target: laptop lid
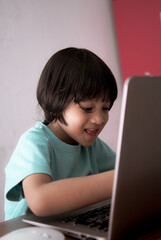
[136,201]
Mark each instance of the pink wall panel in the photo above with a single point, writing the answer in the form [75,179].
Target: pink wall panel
[138,27]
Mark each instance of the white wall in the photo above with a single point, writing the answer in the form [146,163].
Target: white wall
[30,32]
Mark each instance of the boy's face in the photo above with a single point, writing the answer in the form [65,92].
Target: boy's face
[84,122]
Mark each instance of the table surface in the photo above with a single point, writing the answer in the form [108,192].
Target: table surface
[16,223]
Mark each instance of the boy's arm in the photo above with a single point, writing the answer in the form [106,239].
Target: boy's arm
[46,198]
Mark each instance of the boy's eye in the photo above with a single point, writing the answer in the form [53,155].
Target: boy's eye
[87,109]
[106,109]
[90,108]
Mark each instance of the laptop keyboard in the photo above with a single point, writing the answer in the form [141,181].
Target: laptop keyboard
[96,219]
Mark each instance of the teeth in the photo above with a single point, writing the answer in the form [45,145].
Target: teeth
[91,131]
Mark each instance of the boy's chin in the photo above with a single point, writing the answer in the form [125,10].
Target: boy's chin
[87,144]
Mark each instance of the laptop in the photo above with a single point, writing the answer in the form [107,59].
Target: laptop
[136,201]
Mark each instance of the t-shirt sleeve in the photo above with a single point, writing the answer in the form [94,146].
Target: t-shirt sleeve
[31,156]
[105,156]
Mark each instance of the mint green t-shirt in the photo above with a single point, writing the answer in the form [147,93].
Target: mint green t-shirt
[40,151]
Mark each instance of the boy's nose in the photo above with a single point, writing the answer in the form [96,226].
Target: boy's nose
[98,118]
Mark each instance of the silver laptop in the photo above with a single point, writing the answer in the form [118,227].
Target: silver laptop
[136,202]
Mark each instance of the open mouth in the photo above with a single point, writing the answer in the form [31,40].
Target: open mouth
[92,132]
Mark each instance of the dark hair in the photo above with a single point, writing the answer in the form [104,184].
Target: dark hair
[73,74]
